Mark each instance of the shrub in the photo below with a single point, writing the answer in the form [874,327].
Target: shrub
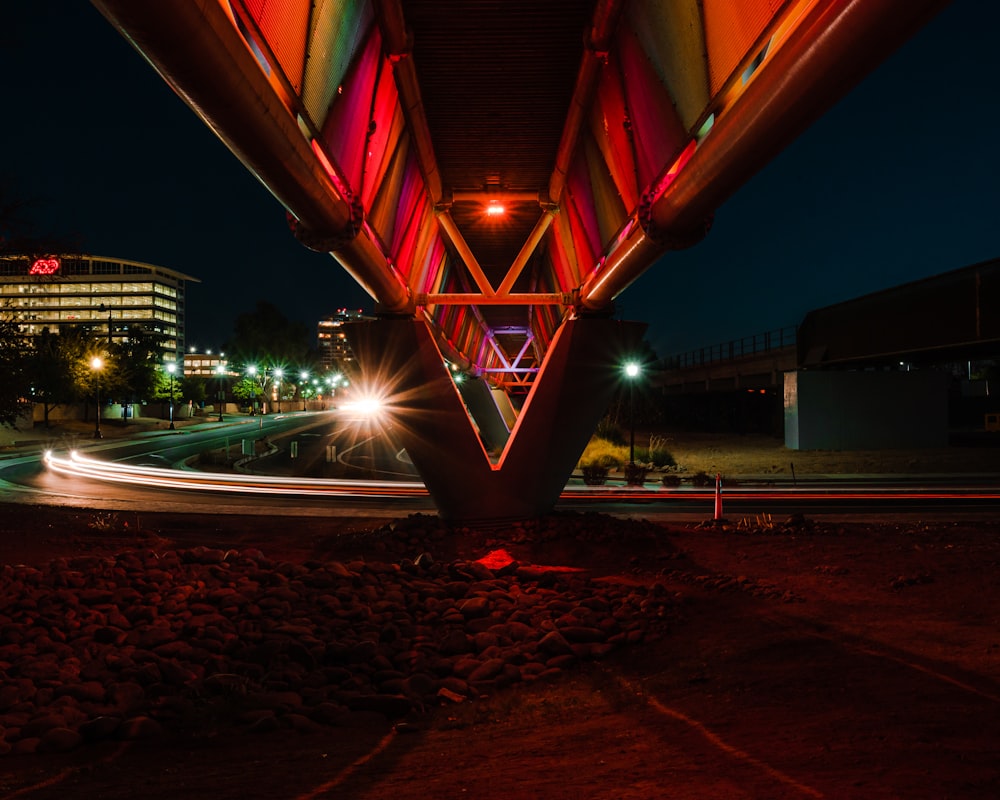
[656,454]
[610,432]
[702,479]
[603,453]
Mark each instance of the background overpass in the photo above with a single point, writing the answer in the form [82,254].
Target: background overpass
[947,319]
[952,317]
[494,175]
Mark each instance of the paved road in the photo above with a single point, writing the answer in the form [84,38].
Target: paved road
[323,449]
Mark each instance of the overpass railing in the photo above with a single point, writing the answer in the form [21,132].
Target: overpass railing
[746,347]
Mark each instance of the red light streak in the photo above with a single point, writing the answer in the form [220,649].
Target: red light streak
[80,466]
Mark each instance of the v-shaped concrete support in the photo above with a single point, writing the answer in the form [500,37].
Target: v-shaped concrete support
[569,395]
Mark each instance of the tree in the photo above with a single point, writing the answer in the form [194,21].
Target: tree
[247,391]
[192,388]
[136,360]
[15,387]
[58,371]
[266,336]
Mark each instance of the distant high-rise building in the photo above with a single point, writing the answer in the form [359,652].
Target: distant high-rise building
[108,296]
[334,350]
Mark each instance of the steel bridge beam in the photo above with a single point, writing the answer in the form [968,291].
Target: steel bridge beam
[575,384]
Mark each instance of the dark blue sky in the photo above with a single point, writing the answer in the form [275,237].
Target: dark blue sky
[897,182]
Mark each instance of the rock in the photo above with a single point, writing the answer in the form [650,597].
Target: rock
[27,746]
[580,634]
[486,671]
[456,643]
[127,696]
[265,724]
[100,728]
[140,727]
[392,706]
[554,643]
[300,723]
[474,607]
[41,725]
[452,697]
[60,740]
[87,692]
[464,667]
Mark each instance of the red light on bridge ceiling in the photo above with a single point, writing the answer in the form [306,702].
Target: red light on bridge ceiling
[44,266]
[495,209]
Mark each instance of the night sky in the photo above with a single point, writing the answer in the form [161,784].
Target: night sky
[897,182]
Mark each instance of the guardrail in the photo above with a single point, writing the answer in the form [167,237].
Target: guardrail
[777,339]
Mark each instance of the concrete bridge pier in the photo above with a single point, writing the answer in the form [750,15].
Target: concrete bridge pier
[400,361]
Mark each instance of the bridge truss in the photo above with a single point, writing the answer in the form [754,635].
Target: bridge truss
[496,174]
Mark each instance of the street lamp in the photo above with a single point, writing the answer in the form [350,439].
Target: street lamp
[304,376]
[171,368]
[252,374]
[95,364]
[632,370]
[277,387]
[220,372]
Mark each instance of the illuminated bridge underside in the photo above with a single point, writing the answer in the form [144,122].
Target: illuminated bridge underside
[608,130]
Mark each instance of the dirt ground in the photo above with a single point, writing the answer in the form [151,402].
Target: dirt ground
[837,660]
[759,455]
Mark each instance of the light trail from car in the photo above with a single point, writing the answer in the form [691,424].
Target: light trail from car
[81,466]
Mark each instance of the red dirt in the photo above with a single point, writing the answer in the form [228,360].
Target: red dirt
[821,660]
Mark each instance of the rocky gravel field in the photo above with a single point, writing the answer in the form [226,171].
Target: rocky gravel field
[576,656]
[142,643]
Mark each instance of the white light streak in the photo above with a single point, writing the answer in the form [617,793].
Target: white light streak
[80,466]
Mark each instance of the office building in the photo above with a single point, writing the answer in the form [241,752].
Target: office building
[106,295]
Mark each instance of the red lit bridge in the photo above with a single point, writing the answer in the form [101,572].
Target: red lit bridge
[495,174]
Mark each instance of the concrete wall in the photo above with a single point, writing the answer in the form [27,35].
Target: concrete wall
[832,410]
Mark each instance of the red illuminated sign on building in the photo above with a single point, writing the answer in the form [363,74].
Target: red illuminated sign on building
[44,266]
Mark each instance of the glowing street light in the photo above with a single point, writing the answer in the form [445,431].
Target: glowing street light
[304,376]
[364,408]
[172,368]
[96,364]
[632,370]
[278,372]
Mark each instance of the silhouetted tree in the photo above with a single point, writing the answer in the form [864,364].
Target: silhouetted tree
[136,362]
[192,388]
[15,384]
[266,336]
[58,366]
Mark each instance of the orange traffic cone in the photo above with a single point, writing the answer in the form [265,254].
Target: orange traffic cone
[718,496]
